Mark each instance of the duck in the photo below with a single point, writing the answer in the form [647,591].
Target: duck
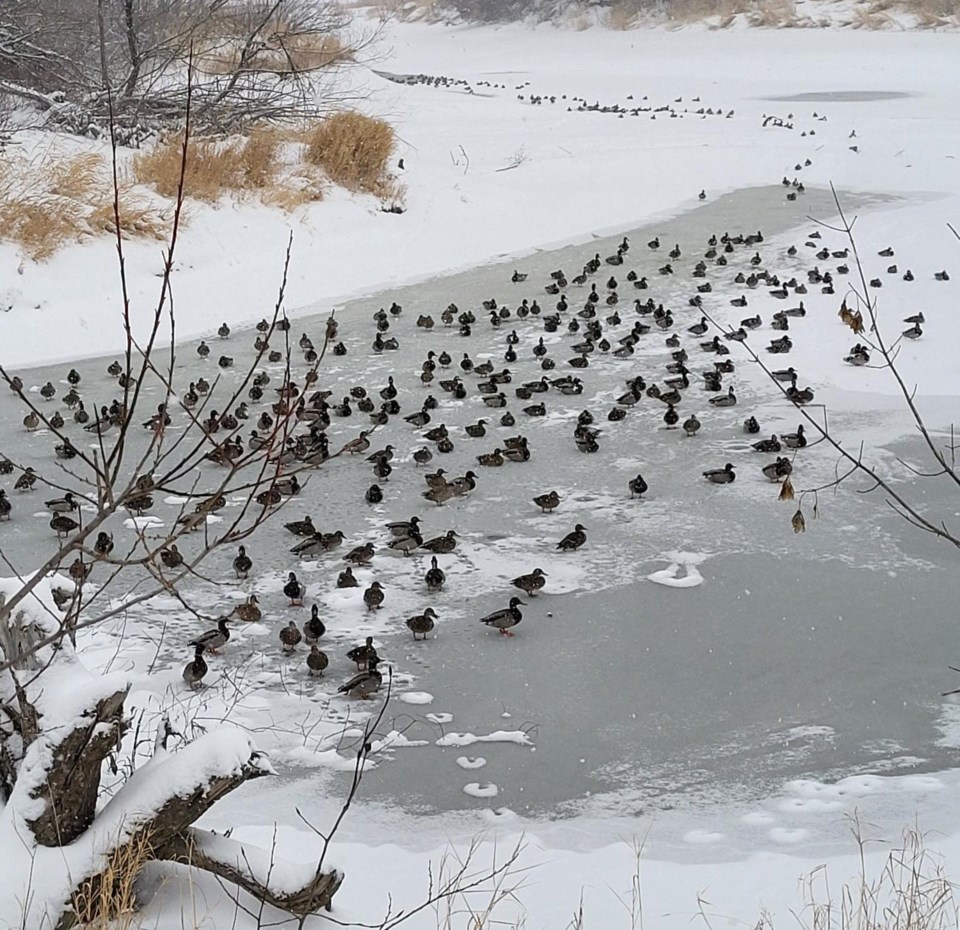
[5,506]
[404,528]
[290,637]
[103,545]
[313,629]
[491,459]
[750,425]
[637,486]
[434,578]
[691,426]
[795,440]
[768,445]
[374,494]
[171,557]
[573,540]
[361,555]
[778,470]
[406,544]
[477,430]
[725,400]
[364,683]
[531,583]
[294,590]
[317,661]
[506,618]
[725,475]
[361,655]
[63,525]
[242,564]
[65,504]
[48,391]
[26,481]
[213,640]
[196,669]
[346,579]
[547,502]
[373,596]
[441,544]
[422,624]
[248,611]
[302,527]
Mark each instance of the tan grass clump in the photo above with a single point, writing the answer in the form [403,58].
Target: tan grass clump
[353,149]
[215,167]
[40,223]
[109,901]
[76,176]
[139,218]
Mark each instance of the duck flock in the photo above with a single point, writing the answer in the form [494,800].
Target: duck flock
[523,358]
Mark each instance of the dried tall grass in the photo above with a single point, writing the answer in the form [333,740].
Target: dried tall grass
[290,54]
[353,149]
[110,902]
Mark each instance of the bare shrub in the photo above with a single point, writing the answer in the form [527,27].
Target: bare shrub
[353,149]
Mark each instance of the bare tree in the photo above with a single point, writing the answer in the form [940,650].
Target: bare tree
[92,63]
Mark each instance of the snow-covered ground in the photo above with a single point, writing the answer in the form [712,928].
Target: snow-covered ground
[492,176]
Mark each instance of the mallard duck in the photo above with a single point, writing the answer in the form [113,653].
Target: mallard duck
[294,590]
[691,426]
[360,444]
[373,596]
[505,618]
[171,557]
[48,391]
[248,611]
[723,475]
[302,527]
[361,655]
[795,440]
[6,466]
[435,578]
[725,400]
[573,540]
[532,582]
[374,494]
[365,683]
[195,670]
[31,421]
[768,445]
[491,459]
[422,624]
[103,545]
[5,505]
[290,637]
[638,487]
[311,547]
[64,504]
[213,640]
[403,528]
[317,661]
[750,425]
[406,544]
[547,502]
[63,525]
[242,563]
[671,417]
[361,555]
[440,494]
[79,570]
[313,629]
[441,544]
[778,470]
[346,580]
[26,481]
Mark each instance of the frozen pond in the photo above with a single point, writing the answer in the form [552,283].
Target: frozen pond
[780,655]
[841,96]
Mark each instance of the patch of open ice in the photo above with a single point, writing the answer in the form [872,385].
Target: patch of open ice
[416,697]
[498,736]
[142,523]
[471,762]
[689,561]
[476,790]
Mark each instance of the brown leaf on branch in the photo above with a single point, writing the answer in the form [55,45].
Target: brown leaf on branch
[786,489]
[851,318]
[798,523]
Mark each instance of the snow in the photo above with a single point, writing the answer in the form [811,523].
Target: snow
[582,174]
